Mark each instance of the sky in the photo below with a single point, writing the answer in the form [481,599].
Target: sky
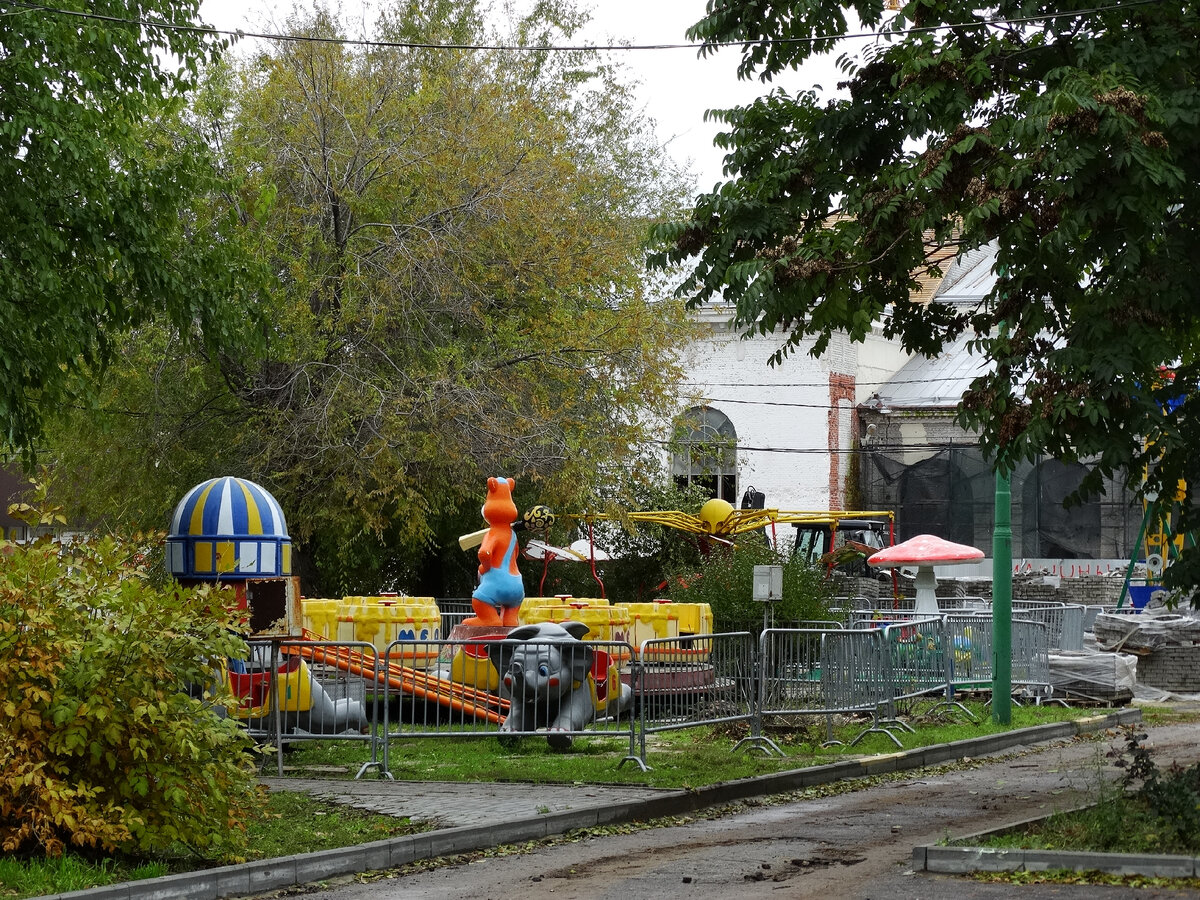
[676,86]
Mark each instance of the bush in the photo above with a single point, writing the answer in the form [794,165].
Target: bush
[103,748]
[725,581]
[1173,796]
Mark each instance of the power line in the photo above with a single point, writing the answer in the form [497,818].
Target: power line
[570,48]
[718,401]
[825,384]
[874,447]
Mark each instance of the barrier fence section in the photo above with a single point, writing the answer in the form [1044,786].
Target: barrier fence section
[496,687]
[1064,621]
[1074,617]
[453,612]
[916,656]
[681,682]
[295,691]
[322,690]
[969,652]
[821,671]
[1031,657]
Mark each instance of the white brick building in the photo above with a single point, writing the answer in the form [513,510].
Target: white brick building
[794,423]
[865,426]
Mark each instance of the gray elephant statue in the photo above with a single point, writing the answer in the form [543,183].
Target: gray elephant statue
[549,676]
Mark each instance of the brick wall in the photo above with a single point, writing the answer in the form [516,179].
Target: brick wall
[1171,669]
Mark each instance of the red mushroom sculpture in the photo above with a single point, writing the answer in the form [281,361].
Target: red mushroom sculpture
[925,551]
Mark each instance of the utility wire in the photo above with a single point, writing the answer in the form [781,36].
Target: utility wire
[825,384]
[873,447]
[571,48]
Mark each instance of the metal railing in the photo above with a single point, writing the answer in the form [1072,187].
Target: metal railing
[822,672]
[491,686]
[505,688]
[1031,658]
[682,682]
[291,691]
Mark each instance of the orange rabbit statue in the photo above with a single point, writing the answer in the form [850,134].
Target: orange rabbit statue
[498,596]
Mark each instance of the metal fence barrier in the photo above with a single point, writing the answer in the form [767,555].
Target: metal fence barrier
[497,687]
[294,691]
[681,682]
[1074,615]
[917,661]
[968,652]
[1048,612]
[815,671]
[1031,658]
[453,612]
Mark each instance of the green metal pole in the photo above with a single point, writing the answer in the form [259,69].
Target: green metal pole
[1002,603]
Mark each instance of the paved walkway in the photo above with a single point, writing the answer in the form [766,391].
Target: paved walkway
[454,804]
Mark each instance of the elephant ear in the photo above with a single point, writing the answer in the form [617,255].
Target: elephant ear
[577,659]
[501,652]
[576,629]
[525,633]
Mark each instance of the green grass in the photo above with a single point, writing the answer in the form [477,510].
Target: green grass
[33,878]
[1116,825]
[1120,820]
[292,823]
[691,757]
[288,823]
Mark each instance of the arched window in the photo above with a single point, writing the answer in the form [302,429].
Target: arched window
[705,452]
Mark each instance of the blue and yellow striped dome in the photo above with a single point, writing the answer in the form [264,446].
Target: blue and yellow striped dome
[228,528]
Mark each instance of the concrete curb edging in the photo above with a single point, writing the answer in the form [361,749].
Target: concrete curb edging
[273,874]
[964,860]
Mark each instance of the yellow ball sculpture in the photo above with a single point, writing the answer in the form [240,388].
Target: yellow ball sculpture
[714,514]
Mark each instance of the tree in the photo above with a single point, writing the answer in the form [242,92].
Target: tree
[458,238]
[96,230]
[1067,138]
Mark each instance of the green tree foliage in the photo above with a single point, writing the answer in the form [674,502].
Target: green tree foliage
[1068,139]
[102,747]
[725,581]
[97,231]
[641,554]
[458,238]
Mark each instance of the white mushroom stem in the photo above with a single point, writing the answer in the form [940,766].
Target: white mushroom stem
[926,584]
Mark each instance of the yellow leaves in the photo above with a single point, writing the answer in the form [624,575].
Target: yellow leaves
[91,693]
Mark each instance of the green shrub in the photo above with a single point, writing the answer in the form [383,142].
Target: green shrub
[1172,795]
[102,747]
[725,581]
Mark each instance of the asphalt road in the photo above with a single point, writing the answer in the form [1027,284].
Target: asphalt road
[852,845]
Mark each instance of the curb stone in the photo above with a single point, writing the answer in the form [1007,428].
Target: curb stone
[964,860]
[261,876]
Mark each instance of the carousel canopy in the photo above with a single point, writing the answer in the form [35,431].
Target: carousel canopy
[228,528]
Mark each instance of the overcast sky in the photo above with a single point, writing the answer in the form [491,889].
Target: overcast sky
[676,86]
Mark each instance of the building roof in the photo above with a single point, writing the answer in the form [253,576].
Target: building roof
[940,382]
